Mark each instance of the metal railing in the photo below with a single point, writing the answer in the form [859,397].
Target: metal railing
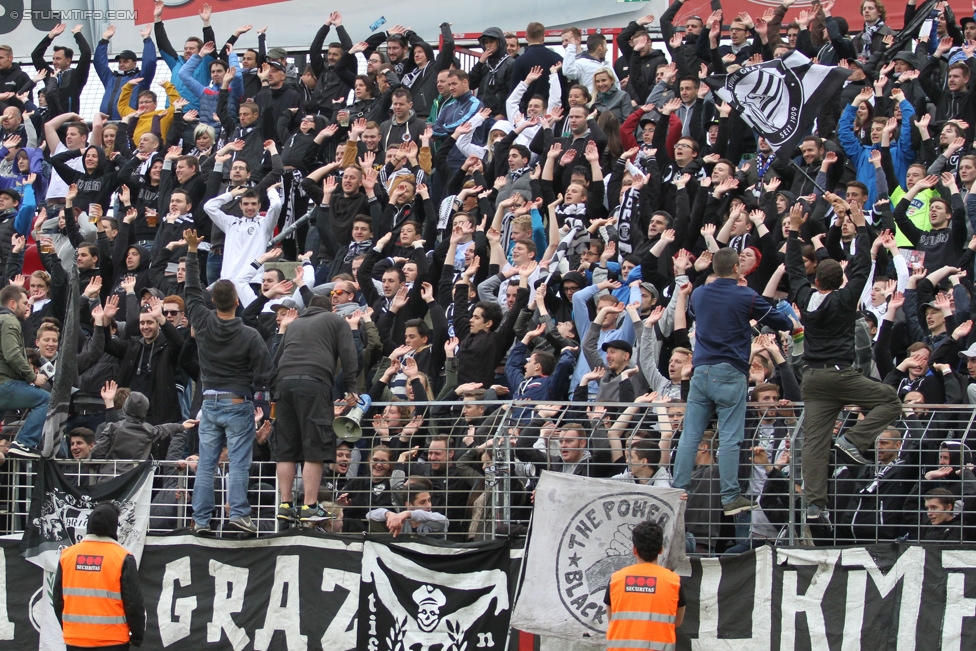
[483,477]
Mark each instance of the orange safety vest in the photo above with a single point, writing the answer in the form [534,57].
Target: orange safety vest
[91,580]
[644,604]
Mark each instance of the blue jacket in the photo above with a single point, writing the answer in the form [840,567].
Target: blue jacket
[206,94]
[112,81]
[25,215]
[454,113]
[722,311]
[539,237]
[36,157]
[541,387]
[902,154]
[201,75]
[581,316]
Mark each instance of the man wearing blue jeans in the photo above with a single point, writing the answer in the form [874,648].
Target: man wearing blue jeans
[19,382]
[233,361]
[723,310]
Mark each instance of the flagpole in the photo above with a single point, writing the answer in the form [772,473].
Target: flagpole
[800,170]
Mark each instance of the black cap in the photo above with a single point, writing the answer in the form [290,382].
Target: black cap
[13,194]
[619,344]
[126,54]
[964,20]
[278,65]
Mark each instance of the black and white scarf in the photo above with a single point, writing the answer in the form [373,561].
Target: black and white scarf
[357,249]
[868,35]
[493,69]
[574,242]
[624,214]
[514,176]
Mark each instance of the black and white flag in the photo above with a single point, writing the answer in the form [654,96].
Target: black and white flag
[781,98]
[59,510]
[60,401]
[415,596]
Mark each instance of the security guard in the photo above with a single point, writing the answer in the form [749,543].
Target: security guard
[644,601]
[97,597]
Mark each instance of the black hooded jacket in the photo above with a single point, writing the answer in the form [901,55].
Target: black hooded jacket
[330,85]
[96,186]
[493,78]
[423,82]
[123,243]
[163,365]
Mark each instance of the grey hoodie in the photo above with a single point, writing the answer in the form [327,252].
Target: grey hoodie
[233,357]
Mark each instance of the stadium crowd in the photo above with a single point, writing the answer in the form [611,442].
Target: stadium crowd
[541,228]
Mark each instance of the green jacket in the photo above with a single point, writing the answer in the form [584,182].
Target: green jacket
[13,357]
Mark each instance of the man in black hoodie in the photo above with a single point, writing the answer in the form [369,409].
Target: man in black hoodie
[491,76]
[329,86]
[422,80]
[233,362]
[693,30]
[635,46]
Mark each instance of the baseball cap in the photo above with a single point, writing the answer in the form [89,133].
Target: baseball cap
[278,65]
[126,54]
[619,344]
[13,194]
[969,352]
[652,289]
[287,304]
[277,53]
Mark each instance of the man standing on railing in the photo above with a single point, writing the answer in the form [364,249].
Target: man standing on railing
[830,381]
[233,360]
[723,310]
[316,346]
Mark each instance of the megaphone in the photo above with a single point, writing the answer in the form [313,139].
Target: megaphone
[347,428]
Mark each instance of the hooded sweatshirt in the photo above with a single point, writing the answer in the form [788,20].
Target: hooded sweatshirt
[493,78]
[233,358]
[422,82]
[96,186]
[132,437]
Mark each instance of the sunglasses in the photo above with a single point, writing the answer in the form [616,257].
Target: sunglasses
[339,292]
[170,312]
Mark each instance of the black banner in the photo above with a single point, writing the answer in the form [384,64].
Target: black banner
[59,510]
[302,591]
[449,600]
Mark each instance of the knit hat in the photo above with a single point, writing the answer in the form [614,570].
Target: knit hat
[104,521]
[136,405]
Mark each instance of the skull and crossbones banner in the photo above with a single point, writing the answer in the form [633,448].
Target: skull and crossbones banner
[420,597]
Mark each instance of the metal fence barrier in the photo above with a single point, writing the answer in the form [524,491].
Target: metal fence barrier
[484,459]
